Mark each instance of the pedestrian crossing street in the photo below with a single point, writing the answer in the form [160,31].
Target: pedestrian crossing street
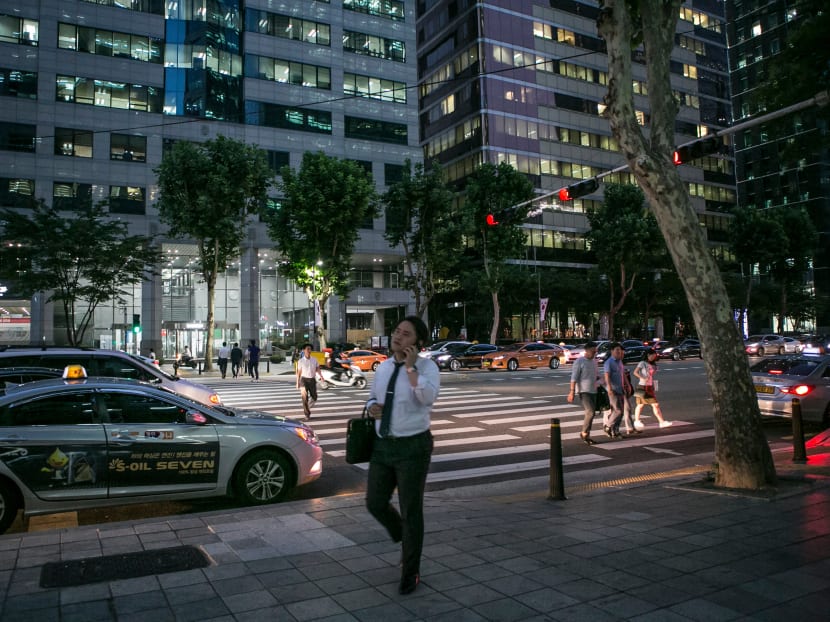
[477,434]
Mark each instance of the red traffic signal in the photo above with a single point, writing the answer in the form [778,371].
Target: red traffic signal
[491,220]
[574,191]
[697,149]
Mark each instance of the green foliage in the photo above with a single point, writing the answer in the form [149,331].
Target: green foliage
[419,217]
[86,257]
[316,226]
[207,191]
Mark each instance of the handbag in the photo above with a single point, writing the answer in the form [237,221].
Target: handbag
[360,438]
[603,401]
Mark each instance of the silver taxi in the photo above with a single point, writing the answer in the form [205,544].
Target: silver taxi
[76,442]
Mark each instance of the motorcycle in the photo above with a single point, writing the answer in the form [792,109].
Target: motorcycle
[342,377]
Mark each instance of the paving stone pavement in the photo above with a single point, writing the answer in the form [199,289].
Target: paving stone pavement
[670,549]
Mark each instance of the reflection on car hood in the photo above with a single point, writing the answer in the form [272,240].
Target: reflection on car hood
[257,417]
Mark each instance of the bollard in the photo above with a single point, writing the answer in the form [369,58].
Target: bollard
[557,481]
[799,450]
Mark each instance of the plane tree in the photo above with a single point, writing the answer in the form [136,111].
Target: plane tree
[207,193]
[79,260]
[316,225]
[742,454]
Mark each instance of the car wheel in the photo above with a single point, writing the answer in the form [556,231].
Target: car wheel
[781,350]
[9,505]
[554,363]
[675,356]
[375,366]
[263,477]
[455,365]
[760,352]
[512,364]
[360,383]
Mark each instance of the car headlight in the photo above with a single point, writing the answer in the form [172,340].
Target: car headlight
[499,357]
[443,357]
[307,434]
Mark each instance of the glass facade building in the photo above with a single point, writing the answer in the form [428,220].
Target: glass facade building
[758,31]
[92,92]
[523,82]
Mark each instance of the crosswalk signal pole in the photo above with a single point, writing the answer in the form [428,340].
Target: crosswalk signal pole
[557,480]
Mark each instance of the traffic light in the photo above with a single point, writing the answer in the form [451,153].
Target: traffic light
[492,221]
[136,323]
[697,149]
[569,193]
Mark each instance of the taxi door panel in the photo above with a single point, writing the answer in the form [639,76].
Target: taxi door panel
[55,447]
[153,451]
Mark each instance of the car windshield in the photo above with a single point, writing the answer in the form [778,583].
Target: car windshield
[789,367]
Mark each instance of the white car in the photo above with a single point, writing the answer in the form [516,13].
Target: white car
[759,345]
[68,444]
[792,346]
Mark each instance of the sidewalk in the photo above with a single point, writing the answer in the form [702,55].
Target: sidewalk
[671,549]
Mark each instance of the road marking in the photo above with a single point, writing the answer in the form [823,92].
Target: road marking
[489,453]
[576,413]
[458,441]
[503,411]
[660,450]
[669,438]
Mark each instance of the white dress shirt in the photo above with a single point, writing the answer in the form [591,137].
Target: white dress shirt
[412,405]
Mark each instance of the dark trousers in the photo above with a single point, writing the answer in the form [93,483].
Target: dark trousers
[308,390]
[617,405]
[402,463]
[589,406]
[235,365]
[253,367]
[223,366]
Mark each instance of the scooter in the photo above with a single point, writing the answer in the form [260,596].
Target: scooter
[351,377]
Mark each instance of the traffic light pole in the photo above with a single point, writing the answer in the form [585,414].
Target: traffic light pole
[820,99]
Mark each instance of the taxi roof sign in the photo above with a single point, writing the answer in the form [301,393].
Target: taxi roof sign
[74,372]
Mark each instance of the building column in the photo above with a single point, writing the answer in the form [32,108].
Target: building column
[151,314]
[336,320]
[249,307]
[42,321]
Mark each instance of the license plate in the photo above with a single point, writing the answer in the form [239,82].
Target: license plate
[760,388]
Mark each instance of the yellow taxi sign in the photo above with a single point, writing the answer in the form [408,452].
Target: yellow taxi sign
[74,372]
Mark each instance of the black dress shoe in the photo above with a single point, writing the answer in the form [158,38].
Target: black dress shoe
[408,584]
[608,431]
[588,440]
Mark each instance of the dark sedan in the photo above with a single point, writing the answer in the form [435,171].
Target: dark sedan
[684,349]
[471,357]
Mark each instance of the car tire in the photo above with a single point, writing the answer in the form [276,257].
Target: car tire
[9,505]
[375,366]
[263,477]
[760,352]
[554,363]
[454,365]
[781,350]
[512,365]
[360,383]
[675,356]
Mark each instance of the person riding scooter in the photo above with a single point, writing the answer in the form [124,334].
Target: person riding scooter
[339,366]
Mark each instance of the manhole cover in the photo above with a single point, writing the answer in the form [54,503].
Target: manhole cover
[122,566]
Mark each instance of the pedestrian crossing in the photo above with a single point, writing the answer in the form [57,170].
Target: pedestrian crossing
[477,434]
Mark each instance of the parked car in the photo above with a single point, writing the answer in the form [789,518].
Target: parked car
[518,355]
[443,356]
[682,350]
[759,345]
[107,363]
[779,379]
[69,444]
[792,345]
[22,375]
[630,343]
[443,347]
[365,359]
[471,356]
[632,354]
[815,344]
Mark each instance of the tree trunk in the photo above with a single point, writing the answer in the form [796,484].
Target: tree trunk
[741,450]
[211,313]
[496,319]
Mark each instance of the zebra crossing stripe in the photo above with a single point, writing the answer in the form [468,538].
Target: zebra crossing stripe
[474,440]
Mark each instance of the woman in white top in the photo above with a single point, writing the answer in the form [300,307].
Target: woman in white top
[646,392]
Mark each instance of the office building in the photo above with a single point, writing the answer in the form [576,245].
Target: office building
[92,92]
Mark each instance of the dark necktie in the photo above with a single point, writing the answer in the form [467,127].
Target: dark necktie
[388,401]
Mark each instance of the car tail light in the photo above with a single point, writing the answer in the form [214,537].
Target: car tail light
[799,390]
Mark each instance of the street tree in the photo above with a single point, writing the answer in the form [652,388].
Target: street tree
[207,192]
[627,239]
[494,190]
[742,454]
[316,226]
[419,218]
[792,259]
[755,239]
[79,260]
